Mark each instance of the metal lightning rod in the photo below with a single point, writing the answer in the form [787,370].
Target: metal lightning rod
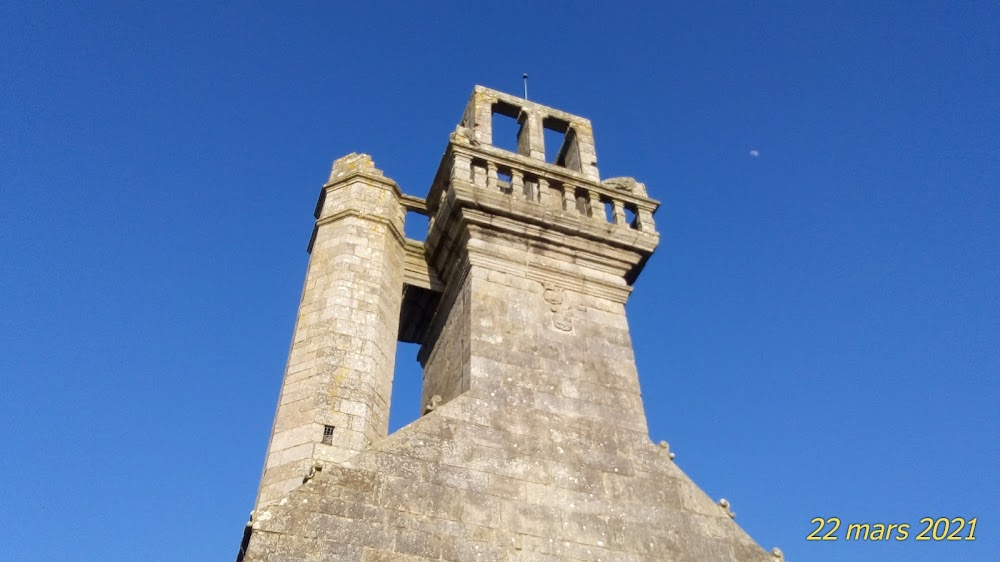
[525,77]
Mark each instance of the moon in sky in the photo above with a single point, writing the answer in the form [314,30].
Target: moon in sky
[755,153]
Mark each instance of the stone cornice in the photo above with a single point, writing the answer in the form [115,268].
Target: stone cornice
[591,266]
[396,233]
[349,178]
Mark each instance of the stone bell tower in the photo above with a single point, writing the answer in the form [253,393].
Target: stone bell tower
[533,443]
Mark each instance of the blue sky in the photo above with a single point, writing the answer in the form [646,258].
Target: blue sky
[817,335]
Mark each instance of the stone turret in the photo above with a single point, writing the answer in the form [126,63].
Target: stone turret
[533,442]
[537,260]
[335,396]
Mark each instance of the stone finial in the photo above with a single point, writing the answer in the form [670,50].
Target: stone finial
[353,163]
[665,450]
[777,554]
[724,504]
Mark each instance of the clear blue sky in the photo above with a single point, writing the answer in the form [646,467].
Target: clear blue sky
[817,335]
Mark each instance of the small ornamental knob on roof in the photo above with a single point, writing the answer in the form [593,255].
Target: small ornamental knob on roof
[777,554]
[313,470]
[724,504]
[665,450]
[432,403]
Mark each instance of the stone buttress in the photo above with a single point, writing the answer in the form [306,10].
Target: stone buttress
[533,444]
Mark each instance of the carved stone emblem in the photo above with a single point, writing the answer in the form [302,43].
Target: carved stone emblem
[562,322]
[553,296]
[562,318]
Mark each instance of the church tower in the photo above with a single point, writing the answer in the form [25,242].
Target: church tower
[533,443]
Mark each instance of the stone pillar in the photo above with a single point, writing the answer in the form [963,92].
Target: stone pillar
[645,221]
[531,141]
[491,176]
[517,185]
[543,191]
[584,138]
[480,116]
[596,207]
[568,197]
[461,168]
[335,395]
[618,212]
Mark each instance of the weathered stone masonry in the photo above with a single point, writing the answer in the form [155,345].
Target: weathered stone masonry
[533,445]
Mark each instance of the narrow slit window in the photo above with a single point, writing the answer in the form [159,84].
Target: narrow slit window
[328,434]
